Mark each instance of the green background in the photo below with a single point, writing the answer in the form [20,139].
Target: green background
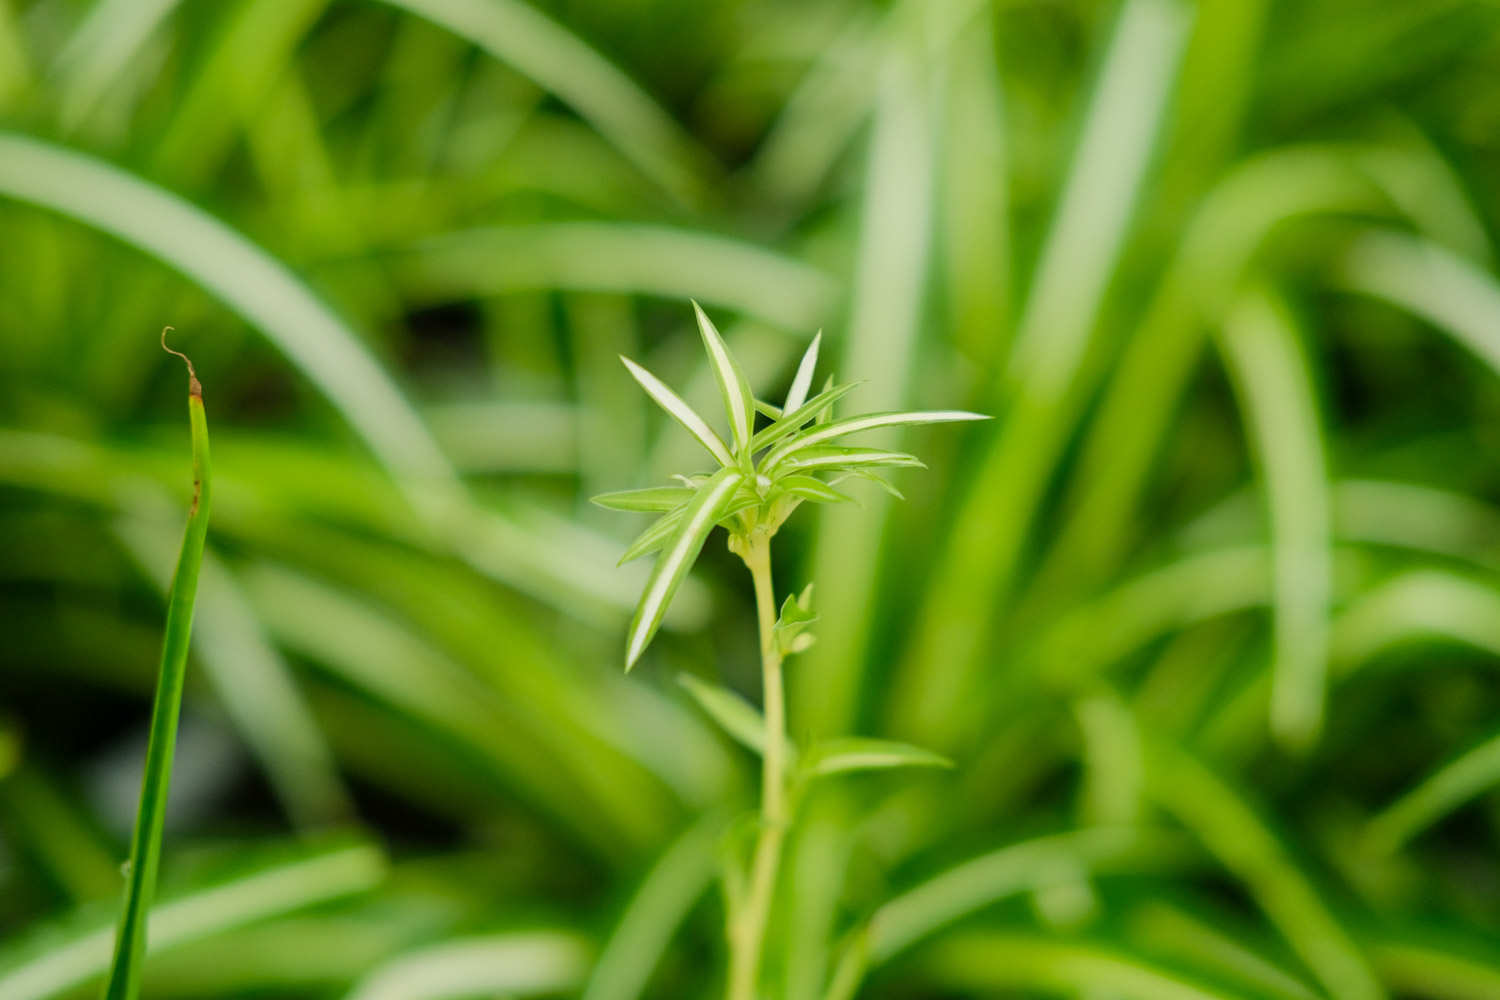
[1208,617]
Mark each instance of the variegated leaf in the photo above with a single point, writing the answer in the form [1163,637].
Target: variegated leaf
[656,498]
[853,425]
[677,557]
[681,412]
[739,401]
[802,381]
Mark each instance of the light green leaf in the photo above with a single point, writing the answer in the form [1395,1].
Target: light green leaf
[878,480]
[698,519]
[790,631]
[868,422]
[802,381]
[812,489]
[655,498]
[734,714]
[792,421]
[768,409]
[680,411]
[860,754]
[833,458]
[653,537]
[516,963]
[739,401]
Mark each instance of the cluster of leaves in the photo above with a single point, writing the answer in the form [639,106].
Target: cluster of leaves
[761,477]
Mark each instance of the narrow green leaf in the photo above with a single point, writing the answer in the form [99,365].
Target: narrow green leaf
[653,537]
[736,716]
[681,412]
[853,425]
[698,519]
[655,498]
[838,459]
[768,409]
[825,414]
[812,489]
[860,472]
[145,848]
[739,401]
[1438,794]
[513,964]
[802,381]
[792,421]
[860,754]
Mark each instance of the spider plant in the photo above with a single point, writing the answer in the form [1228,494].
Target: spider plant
[762,476]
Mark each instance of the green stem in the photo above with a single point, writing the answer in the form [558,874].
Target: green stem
[747,930]
[145,848]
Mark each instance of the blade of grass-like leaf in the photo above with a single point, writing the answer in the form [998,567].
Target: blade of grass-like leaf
[995,961]
[1230,829]
[681,412]
[660,904]
[1166,929]
[53,964]
[802,381]
[254,684]
[107,40]
[619,257]
[1424,965]
[145,846]
[653,537]
[739,401]
[649,500]
[734,714]
[890,277]
[840,756]
[791,421]
[812,489]
[1271,378]
[1008,871]
[854,425]
[251,282]
[1082,249]
[1441,792]
[538,47]
[672,565]
[43,821]
[842,458]
[520,963]
[1430,281]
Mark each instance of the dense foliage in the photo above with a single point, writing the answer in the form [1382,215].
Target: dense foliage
[1207,618]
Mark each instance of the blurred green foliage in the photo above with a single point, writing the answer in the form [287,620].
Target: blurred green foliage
[1208,617]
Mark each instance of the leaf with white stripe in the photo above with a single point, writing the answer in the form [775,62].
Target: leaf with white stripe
[868,422]
[841,756]
[653,537]
[802,381]
[812,489]
[740,719]
[791,421]
[698,519]
[655,498]
[832,457]
[680,411]
[739,401]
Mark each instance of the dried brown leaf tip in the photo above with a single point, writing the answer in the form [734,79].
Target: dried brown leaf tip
[195,387]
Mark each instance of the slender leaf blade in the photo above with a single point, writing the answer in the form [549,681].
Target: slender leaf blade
[680,411]
[698,519]
[840,756]
[868,422]
[736,716]
[649,500]
[839,459]
[791,421]
[802,381]
[145,847]
[739,401]
[653,537]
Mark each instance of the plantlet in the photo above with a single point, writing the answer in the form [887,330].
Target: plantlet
[762,477]
[145,848]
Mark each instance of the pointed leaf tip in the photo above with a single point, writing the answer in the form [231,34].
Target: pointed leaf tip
[739,401]
[802,381]
[680,411]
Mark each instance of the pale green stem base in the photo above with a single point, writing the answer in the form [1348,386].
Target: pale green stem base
[747,926]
